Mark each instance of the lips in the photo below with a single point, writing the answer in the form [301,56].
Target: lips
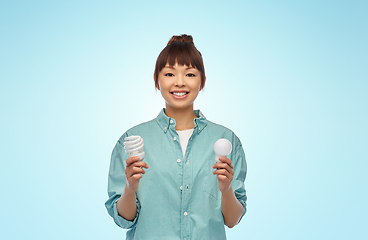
[179,94]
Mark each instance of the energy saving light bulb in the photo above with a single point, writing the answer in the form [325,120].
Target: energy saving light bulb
[134,146]
[222,148]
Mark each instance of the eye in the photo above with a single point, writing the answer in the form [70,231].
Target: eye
[169,74]
[190,75]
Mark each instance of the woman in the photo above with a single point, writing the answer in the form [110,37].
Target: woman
[174,192]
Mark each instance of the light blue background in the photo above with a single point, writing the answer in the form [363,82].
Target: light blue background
[288,77]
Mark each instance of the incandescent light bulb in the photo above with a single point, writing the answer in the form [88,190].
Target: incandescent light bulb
[222,148]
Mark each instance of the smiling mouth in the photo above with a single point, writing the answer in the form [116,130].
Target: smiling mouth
[179,94]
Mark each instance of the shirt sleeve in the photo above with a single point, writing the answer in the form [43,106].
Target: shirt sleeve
[240,171]
[116,184]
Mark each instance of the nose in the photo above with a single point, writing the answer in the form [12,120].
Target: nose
[179,81]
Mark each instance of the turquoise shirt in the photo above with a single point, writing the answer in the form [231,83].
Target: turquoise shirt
[177,198]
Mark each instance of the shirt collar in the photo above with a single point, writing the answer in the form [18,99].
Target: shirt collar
[164,121]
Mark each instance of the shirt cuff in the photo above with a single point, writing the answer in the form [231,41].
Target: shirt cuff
[122,222]
[240,194]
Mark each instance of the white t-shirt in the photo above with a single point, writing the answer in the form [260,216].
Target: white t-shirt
[184,137]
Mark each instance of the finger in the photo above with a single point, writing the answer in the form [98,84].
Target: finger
[139,164]
[132,160]
[136,165]
[222,178]
[225,160]
[223,172]
[224,166]
[135,162]
[138,170]
[136,176]
[135,170]
[220,165]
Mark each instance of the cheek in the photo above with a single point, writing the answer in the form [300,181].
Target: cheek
[198,85]
[162,83]
[163,88]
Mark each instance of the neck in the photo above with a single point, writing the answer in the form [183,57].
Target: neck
[184,117]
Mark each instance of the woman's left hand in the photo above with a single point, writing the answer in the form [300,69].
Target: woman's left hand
[224,172]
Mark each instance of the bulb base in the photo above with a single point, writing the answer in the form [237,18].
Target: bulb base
[218,156]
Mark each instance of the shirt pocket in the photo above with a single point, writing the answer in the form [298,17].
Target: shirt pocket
[210,184]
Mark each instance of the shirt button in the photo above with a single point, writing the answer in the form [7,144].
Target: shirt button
[188,162]
[187,187]
[181,187]
[171,121]
[185,213]
[199,128]
[174,138]
[165,128]
[178,160]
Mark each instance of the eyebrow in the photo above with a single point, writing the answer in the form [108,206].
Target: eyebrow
[190,68]
[174,68]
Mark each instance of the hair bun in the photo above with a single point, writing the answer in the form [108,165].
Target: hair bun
[182,38]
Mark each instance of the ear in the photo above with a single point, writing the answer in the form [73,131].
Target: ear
[202,86]
[156,84]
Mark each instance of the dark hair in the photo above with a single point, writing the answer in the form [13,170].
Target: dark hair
[181,50]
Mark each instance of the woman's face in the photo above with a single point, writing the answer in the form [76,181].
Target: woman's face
[179,85]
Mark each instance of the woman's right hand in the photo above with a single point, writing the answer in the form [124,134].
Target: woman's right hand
[133,173]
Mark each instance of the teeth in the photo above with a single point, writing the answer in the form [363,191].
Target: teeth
[179,93]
